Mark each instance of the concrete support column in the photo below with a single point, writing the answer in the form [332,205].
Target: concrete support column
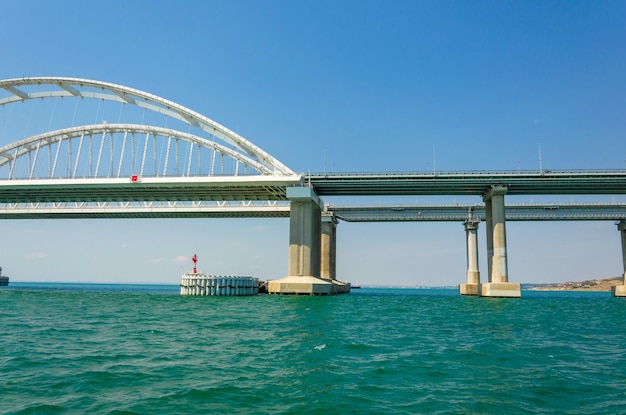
[329,246]
[304,246]
[620,290]
[499,264]
[498,285]
[304,234]
[329,254]
[473,275]
[489,225]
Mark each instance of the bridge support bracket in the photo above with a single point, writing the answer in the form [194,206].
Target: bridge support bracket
[500,289]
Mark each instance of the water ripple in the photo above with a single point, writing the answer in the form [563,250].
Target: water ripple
[380,351]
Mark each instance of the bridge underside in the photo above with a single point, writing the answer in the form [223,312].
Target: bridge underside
[460,213]
[145,212]
[146,189]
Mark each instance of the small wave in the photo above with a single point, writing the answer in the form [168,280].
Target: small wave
[40,408]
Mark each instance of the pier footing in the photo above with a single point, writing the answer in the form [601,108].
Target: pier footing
[468,289]
[340,287]
[619,291]
[297,285]
[500,289]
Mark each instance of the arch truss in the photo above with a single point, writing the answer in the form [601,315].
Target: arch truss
[127,161]
[23,89]
[122,150]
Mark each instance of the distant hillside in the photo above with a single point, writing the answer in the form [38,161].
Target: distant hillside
[589,285]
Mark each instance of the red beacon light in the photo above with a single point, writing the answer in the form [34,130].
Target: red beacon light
[194,258]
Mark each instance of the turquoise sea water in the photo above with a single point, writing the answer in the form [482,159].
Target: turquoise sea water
[140,349]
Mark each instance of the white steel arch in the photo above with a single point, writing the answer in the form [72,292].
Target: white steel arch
[78,88]
[31,147]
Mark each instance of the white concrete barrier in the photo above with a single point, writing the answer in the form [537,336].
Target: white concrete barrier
[204,285]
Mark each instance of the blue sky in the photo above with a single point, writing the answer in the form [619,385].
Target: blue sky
[345,86]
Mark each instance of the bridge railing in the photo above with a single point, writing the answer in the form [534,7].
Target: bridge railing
[481,173]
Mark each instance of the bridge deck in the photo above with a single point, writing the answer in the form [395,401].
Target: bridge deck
[468,183]
[146,189]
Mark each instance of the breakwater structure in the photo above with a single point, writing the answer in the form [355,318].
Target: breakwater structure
[198,284]
[201,285]
[4,280]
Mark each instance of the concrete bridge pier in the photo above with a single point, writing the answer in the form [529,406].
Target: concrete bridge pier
[304,246]
[329,253]
[473,275]
[498,285]
[329,246]
[620,290]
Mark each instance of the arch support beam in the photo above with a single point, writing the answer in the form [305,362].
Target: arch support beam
[620,290]
[498,285]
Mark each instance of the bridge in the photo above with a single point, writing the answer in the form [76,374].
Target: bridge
[161,159]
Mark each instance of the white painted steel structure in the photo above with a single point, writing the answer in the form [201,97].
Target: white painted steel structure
[133,169]
[61,87]
[136,145]
[151,209]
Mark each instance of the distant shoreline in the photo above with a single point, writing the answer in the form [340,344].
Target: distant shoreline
[588,285]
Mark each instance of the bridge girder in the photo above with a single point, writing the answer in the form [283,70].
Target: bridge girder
[147,189]
[477,213]
[599,182]
[141,210]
